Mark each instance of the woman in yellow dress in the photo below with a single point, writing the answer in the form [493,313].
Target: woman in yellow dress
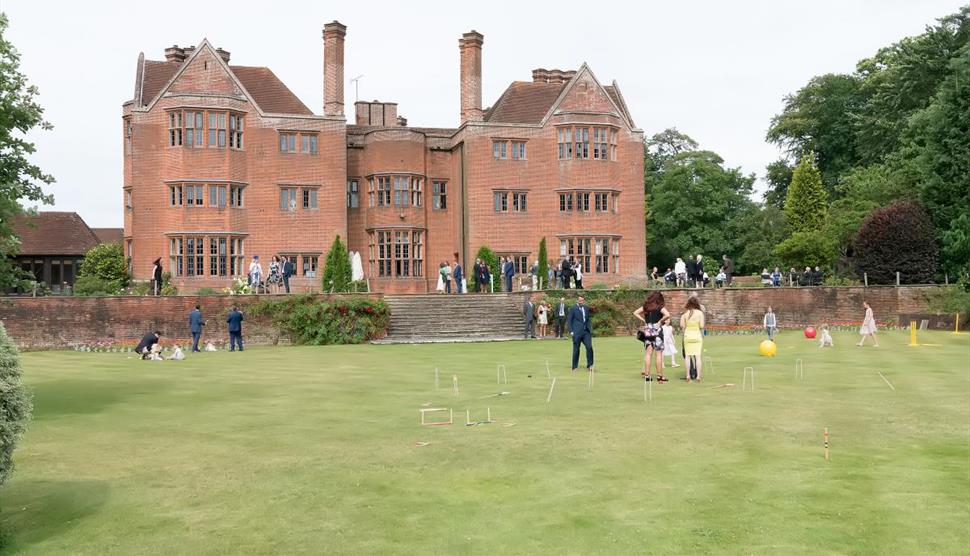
[692,323]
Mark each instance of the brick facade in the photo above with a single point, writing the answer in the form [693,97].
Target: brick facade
[396,222]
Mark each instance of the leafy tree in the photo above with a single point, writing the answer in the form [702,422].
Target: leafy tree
[544,263]
[15,403]
[956,249]
[660,149]
[808,248]
[778,175]
[337,274]
[817,119]
[19,179]
[806,201]
[104,269]
[940,143]
[491,260]
[758,231]
[902,79]
[692,206]
[899,238]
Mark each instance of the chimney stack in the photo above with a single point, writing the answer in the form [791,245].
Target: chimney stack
[470,45]
[174,54]
[333,68]
[224,54]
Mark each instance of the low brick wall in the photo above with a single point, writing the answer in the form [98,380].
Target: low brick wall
[795,307]
[59,322]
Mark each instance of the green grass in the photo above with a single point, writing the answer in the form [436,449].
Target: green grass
[312,450]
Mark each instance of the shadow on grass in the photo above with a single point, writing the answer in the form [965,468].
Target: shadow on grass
[86,397]
[34,511]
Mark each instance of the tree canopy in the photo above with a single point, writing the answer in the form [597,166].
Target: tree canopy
[20,179]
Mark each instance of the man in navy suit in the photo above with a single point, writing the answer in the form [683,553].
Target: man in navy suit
[509,271]
[457,273]
[235,320]
[287,272]
[582,329]
[195,327]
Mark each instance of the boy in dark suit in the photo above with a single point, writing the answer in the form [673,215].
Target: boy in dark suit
[582,329]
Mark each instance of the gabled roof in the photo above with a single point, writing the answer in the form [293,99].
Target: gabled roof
[524,102]
[260,83]
[53,233]
[109,235]
[527,102]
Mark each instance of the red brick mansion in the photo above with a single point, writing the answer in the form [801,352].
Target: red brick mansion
[223,162]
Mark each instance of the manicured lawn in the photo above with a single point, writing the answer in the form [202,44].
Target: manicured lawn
[313,451]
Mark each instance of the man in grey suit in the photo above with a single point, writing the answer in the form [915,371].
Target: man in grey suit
[529,314]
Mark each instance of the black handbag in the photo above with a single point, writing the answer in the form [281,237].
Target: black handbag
[641,336]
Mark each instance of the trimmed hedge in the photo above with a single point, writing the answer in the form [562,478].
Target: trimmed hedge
[310,321]
[15,403]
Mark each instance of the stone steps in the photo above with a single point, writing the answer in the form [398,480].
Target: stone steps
[453,318]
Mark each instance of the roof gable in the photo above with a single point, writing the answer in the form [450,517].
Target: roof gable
[259,85]
[585,93]
[201,72]
[53,233]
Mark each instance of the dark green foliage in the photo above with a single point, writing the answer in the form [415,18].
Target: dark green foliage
[20,180]
[803,249]
[941,152]
[15,403]
[491,259]
[806,201]
[103,271]
[815,121]
[544,264]
[694,206]
[899,238]
[93,285]
[778,176]
[956,249]
[758,232]
[337,274]
[311,321]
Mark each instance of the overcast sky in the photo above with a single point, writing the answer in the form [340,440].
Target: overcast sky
[716,70]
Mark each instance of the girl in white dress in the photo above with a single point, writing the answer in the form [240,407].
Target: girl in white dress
[670,348]
[868,328]
[543,319]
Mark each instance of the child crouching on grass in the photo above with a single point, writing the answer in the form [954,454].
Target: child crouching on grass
[825,339]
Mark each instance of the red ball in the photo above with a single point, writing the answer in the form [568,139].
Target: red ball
[810,332]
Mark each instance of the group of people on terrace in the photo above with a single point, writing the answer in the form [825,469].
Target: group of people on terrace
[452,277]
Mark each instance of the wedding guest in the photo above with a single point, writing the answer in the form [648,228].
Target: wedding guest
[868,328]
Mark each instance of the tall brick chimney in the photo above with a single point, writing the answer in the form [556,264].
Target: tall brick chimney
[333,68]
[470,45]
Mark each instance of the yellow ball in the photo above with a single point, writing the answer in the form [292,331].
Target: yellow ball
[768,348]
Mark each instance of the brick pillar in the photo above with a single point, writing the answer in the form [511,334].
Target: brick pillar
[470,45]
[333,68]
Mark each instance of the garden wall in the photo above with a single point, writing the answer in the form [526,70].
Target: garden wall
[795,307]
[58,322]
[63,321]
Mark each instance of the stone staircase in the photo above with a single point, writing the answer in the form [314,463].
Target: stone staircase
[454,318]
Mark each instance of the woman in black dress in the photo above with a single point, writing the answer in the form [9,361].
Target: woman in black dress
[654,315]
